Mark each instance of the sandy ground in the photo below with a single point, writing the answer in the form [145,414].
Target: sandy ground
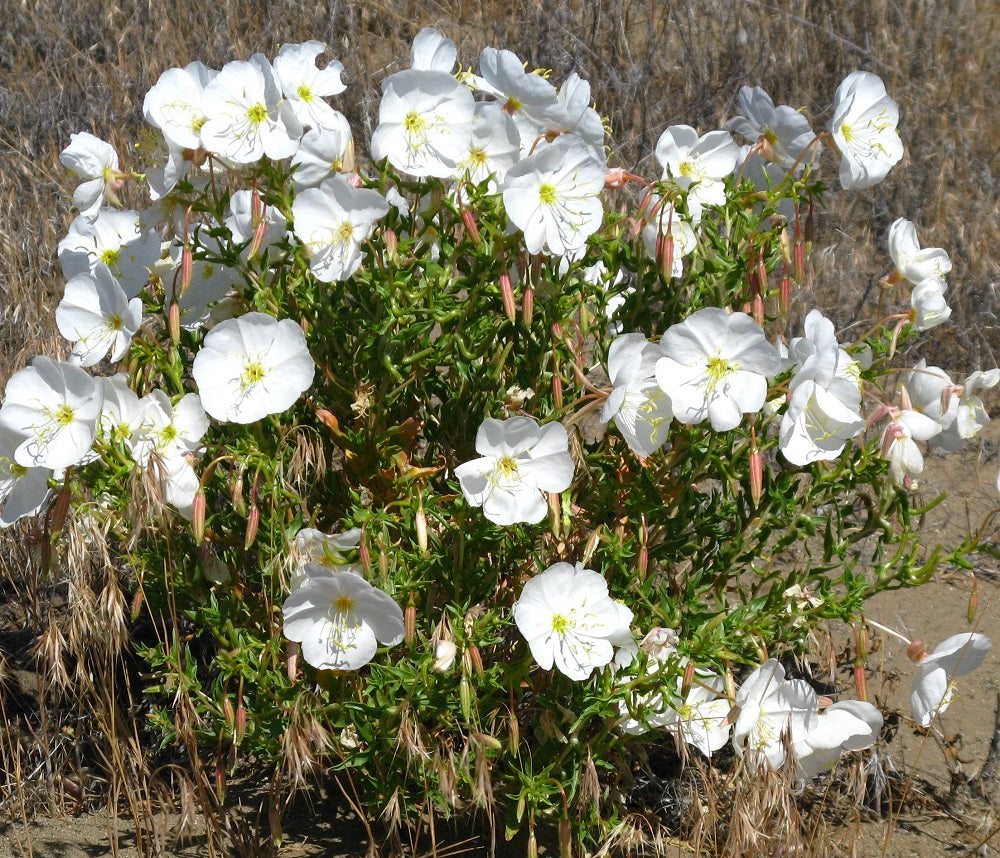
[934,824]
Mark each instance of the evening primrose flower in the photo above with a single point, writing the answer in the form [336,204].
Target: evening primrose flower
[493,149]
[23,490]
[569,620]
[54,407]
[715,367]
[424,123]
[322,153]
[520,461]
[117,239]
[332,221]
[168,431]
[432,52]
[176,104]
[933,686]
[339,618]
[122,413]
[697,164]
[782,132]
[864,130]
[912,262]
[770,706]
[930,308]
[554,196]
[97,318]
[246,116]
[850,725]
[252,366]
[899,443]
[305,85]
[96,161]
[641,410]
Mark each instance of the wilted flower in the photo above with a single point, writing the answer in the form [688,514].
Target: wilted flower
[339,618]
[930,308]
[568,619]
[252,366]
[521,461]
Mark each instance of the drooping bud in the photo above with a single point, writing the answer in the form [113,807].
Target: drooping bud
[465,697]
[688,680]
[557,391]
[174,322]
[970,614]
[475,660]
[757,310]
[916,651]
[259,233]
[469,219]
[187,268]
[665,255]
[615,178]
[527,305]
[861,682]
[241,717]
[391,241]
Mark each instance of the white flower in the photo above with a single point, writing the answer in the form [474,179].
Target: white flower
[243,222]
[305,85]
[23,490]
[322,153]
[339,618]
[54,407]
[899,446]
[332,221]
[851,725]
[641,410]
[425,123]
[554,196]
[769,706]
[972,416]
[568,619]
[97,161]
[783,133]
[579,117]
[122,413]
[697,164]
[252,366]
[432,52]
[116,239]
[97,318]
[168,431]
[246,115]
[864,130]
[715,367]
[929,305]
[178,481]
[521,461]
[493,149]
[663,224]
[444,655]
[176,104]
[933,688]
[911,262]
[211,281]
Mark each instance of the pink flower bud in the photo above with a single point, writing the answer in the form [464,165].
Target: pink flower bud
[916,651]
[253,520]
[507,292]
[198,517]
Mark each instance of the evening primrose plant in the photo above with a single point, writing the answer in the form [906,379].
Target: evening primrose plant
[455,465]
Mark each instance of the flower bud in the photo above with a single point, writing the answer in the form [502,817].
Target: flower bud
[557,392]
[688,680]
[470,224]
[465,697]
[420,522]
[220,780]
[475,660]
[756,469]
[785,289]
[916,651]
[861,681]
[409,624]
[187,268]
[527,305]
[241,718]
[665,255]
[364,555]
[973,602]
[259,233]
[391,241]
[253,520]
[292,660]
[198,517]
[507,292]
[615,178]
[757,309]
[229,714]
[174,322]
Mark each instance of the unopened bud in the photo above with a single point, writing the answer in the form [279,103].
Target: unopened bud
[174,322]
[590,547]
[861,681]
[513,731]
[198,517]
[470,224]
[688,680]
[916,651]
[565,839]
[757,310]
[665,255]
[507,292]
[187,268]
[229,714]
[391,241]
[785,290]
[973,602]
[756,469]
[364,555]
[465,697]
[253,520]
[260,231]
[241,718]
[420,522]
[409,624]
[615,178]
[643,561]
[476,660]
[527,305]
[761,273]
[220,780]
[292,661]
[557,392]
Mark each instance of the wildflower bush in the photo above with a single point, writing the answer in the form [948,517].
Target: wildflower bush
[459,463]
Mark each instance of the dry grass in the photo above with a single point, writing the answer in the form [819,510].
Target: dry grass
[72,65]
